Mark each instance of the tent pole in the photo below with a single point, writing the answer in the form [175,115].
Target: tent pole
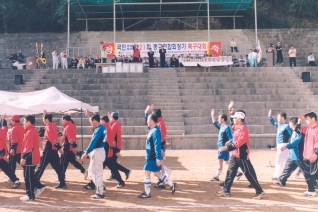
[82,132]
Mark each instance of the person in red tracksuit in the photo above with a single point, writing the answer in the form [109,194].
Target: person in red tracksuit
[115,144]
[68,150]
[240,148]
[30,158]
[4,166]
[50,147]
[15,138]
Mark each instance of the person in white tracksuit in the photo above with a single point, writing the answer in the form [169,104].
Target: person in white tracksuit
[55,59]
[64,59]
[282,138]
[97,155]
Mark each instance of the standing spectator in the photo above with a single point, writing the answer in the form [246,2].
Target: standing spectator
[55,55]
[250,60]
[103,52]
[174,62]
[292,56]
[233,45]
[150,56]
[98,59]
[254,57]
[63,56]
[271,50]
[90,62]
[14,56]
[136,53]
[311,59]
[279,50]
[162,53]
[74,62]
[20,56]
[114,60]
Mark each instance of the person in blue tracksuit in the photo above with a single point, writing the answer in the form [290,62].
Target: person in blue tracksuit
[97,155]
[296,147]
[225,135]
[282,138]
[154,158]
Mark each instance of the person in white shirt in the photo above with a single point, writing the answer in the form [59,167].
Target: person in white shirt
[311,59]
[254,57]
[249,57]
[292,56]
[180,58]
[103,53]
[233,45]
[55,59]
[63,56]
[242,61]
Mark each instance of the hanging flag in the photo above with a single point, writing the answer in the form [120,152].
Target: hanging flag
[259,52]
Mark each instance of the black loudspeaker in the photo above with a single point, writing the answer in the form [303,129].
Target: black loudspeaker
[305,76]
[18,79]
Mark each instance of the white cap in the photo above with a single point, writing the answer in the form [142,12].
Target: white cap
[239,115]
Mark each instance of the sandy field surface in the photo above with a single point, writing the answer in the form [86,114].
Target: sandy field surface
[192,170]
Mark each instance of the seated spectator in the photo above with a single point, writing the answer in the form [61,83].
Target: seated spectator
[81,63]
[235,61]
[20,56]
[126,60]
[74,62]
[90,62]
[180,59]
[223,54]
[140,60]
[98,59]
[131,59]
[114,60]
[311,59]
[189,56]
[146,62]
[121,59]
[197,57]
[233,45]
[205,54]
[155,62]
[242,61]
[174,61]
[14,56]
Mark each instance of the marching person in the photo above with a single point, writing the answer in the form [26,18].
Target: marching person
[96,152]
[282,138]
[154,158]
[4,166]
[68,150]
[15,139]
[240,148]
[30,158]
[162,53]
[50,146]
[55,59]
[64,59]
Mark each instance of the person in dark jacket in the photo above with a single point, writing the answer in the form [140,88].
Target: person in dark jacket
[150,57]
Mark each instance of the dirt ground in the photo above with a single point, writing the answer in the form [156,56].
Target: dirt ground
[192,170]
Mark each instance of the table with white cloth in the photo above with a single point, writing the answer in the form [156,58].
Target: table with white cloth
[207,64]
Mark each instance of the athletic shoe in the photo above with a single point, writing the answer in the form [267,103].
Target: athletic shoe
[128,174]
[60,186]
[26,198]
[270,146]
[259,196]
[144,195]
[160,184]
[173,187]
[16,184]
[120,185]
[98,196]
[309,193]
[279,183]
[221,184]
[275,178]
[239,175]
[250,186]
[8,181]
[39,191]
[85,174]
[168,172]
[215,178]
[88,187]
[111,178]
[222,194]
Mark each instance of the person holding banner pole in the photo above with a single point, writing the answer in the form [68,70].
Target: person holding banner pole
[162,53]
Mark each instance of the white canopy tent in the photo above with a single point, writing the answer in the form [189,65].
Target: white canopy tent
[50,99]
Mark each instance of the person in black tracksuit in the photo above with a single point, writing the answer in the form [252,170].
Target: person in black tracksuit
[50,151]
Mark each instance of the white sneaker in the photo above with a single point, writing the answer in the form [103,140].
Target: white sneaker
[25,198]
[8,181]
[39,191]
[167,172]
[309,193]
[85,174]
